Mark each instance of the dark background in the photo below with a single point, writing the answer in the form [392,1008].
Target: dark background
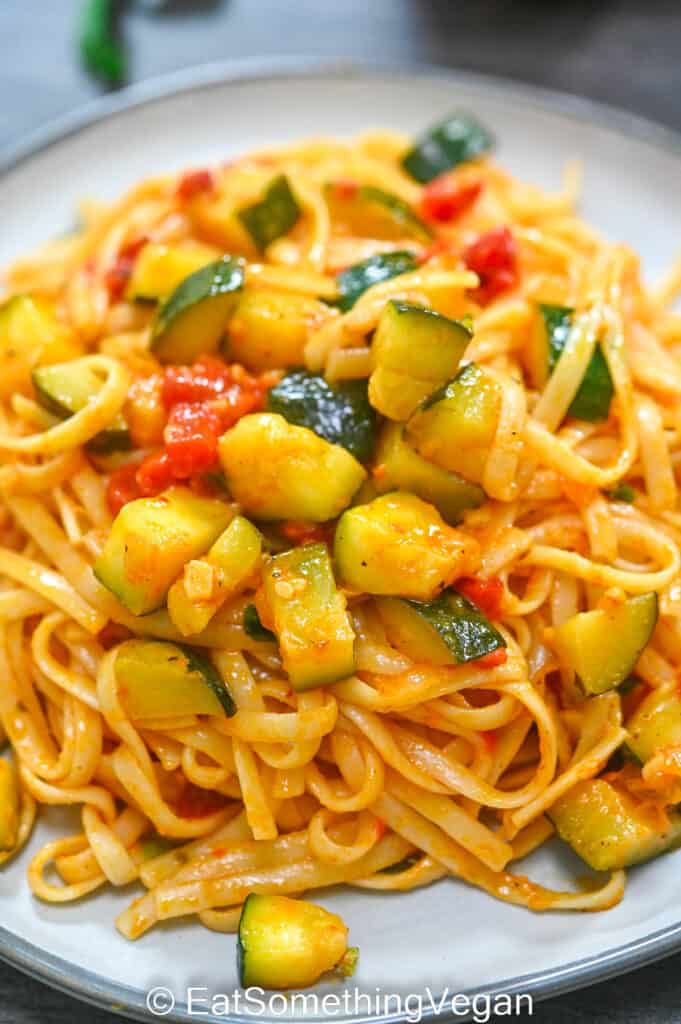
[624,52]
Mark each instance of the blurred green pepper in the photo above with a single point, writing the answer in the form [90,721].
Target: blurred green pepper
[100,48]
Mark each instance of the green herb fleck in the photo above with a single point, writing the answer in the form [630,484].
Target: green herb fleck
[623,492]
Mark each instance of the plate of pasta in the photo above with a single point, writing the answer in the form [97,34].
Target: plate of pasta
[340,553]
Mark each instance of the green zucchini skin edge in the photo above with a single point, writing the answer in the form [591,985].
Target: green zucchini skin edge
[450,493]
[339,413]
[465,326]
[443,392]
[198,662]
[114,438]
[465,631]
[272,216]
[401,212]
[240,948]
[254,627]
[456,140]
[355,280]
[594,395]
[219,278]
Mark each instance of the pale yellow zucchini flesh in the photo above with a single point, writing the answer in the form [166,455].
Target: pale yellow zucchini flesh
[602,646]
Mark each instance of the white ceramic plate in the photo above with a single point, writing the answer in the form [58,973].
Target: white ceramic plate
[448,935]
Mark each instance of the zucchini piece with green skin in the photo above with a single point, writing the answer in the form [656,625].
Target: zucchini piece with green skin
[223,572]
[398,545]
[455,427]
[270,329]
[254,627]
[193,320]
[456,140]
[551,331]
[66,388]
[296,474]
[607,829]
[402,468]
[9,805]
[355,280]
[30,336]
[655,724]
[311,622]
[159,269]
[370,212]
[446,631]
[214,220]
[340,413]
[159,680]
[285,943]
[150,542]
[414,352]
[272,216]
[603,645]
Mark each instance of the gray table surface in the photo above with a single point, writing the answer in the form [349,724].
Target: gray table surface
[624,52]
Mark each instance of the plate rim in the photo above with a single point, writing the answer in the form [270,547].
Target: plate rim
[89,986]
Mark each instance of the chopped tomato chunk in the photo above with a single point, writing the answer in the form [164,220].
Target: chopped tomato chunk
[208,378]
[122,488]
[154,475]
[493,659]
[235,403]
[191,438]
[197,403]
[211,378]
[444,198]
[493,257]
[194,182]
[488,595]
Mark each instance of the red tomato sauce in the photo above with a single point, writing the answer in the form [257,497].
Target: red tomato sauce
[202,402]
[493,257]
[487,594]
[444,199]
[195,802]
[193,183]
[493,659]
[117,277]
